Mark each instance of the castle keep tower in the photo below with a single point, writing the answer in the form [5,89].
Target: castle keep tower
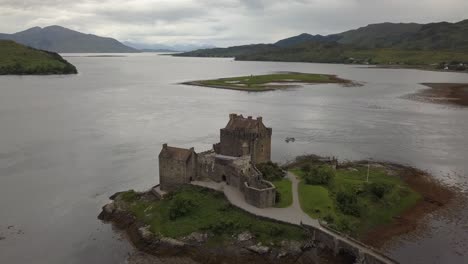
[245,136]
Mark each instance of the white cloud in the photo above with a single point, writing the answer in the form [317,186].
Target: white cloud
[219,22]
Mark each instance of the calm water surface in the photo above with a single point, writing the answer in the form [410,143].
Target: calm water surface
[69,142]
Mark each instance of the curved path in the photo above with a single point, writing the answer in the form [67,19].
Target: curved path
[292,214]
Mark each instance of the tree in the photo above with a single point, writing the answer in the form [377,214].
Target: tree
[322,175]
[180,206]
[348,203]
[271,171]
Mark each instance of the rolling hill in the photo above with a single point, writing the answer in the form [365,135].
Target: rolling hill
[18,59]
[63,40]
[384,43]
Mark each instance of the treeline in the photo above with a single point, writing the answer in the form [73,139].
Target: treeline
[42,69]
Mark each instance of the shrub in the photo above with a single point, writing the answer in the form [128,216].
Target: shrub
[180,206]
[322,175]
[348,203]
[276,231]
[271,171]
[306,167]
[379,189]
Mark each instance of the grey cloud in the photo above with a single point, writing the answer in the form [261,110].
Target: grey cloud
[220,22]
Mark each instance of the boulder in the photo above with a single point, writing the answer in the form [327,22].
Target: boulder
[259,249]
[109,208]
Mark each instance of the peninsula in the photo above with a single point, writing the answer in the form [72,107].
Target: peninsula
[232,203]
[17,59]
[269,82]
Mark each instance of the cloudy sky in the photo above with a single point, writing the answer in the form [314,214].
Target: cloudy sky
[220,22]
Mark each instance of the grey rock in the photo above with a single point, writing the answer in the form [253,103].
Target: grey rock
[145,232]
[244,236]
[282,254]
[259,249]
[196,237]
[109,208]
[172,242]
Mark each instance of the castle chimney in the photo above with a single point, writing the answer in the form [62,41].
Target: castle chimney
[259,119]
[165,146]
[232,116]
[249,117]
[192,149]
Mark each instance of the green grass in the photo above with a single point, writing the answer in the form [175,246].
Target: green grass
[284,187]
[319,201]
[263,82]
[213,214]
[19,59]
[315,200]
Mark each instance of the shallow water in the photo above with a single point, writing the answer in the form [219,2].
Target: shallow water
[69,142]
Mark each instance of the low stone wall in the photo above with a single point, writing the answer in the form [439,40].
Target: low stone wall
[261,198]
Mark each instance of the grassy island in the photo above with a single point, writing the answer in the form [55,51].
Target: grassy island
[195,209]
[268,82]
[16,59]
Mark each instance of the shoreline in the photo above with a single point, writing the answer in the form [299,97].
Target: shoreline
[435,196]
[198,248]
[454,94]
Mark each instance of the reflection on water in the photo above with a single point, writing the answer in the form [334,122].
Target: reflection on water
[69,142]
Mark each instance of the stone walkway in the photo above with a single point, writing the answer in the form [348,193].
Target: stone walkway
[292,214]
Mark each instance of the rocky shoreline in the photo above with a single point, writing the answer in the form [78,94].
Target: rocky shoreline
[197,247]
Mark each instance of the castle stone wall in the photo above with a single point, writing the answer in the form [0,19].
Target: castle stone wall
[172,174]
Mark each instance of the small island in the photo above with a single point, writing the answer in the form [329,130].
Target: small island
[233,204]
[269,82]
[17,59]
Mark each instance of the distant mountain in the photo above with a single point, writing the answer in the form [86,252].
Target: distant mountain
[304,37]
[381,35]
[438,36]
[385,43]
[167,48]
[230,52]
[60,39]
[20,60]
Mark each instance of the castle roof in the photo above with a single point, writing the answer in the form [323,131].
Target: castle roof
[174,153]
[238,122]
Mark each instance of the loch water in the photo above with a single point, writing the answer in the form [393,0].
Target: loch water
[69,142]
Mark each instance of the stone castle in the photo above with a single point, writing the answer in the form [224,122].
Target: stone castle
[244,142]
